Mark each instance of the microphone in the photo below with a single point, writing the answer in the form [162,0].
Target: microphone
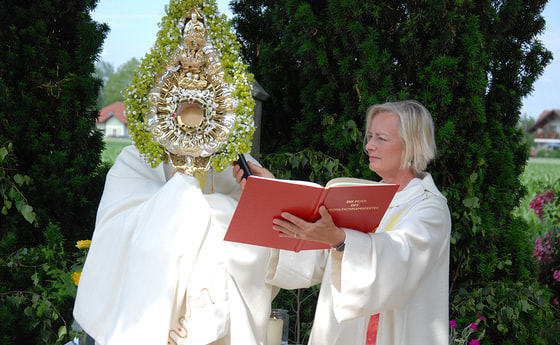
[242,162]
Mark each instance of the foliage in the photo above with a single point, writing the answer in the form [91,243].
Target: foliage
[47,113]
[38,310]
[526,122]
[524,301]
[469,62]
[10,188]
[547,153]
[235,73]
[103,70]
[118,81]
[306,164]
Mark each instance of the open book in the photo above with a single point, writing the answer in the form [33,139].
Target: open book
[353,203]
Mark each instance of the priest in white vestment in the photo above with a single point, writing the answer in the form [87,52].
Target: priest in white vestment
[158,270]
[389,287]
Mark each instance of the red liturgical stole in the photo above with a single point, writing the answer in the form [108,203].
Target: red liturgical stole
[371,337]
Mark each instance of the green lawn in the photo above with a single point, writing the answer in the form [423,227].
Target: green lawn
[113,147]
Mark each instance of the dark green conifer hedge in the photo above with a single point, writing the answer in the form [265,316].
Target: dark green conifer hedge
[47,113]
[470,63]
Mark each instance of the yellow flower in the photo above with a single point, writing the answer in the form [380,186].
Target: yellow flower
[83,244]
[76,277]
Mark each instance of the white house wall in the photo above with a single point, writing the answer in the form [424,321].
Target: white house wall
[115,128]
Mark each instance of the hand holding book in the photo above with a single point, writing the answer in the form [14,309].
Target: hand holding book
[323,230]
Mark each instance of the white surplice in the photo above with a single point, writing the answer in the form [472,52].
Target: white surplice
[401,272]
[158,269]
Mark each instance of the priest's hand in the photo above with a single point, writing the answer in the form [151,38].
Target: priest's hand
[255,170]
[322,230]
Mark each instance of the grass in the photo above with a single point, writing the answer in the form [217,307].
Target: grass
[113,146]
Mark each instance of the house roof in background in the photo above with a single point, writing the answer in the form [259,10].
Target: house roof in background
[115,109]
[544,118]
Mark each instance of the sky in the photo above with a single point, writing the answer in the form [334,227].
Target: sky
[134,25]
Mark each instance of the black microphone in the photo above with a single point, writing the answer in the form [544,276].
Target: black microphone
[242,162]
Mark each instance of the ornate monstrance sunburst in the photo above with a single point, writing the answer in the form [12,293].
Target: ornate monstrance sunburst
[191,110]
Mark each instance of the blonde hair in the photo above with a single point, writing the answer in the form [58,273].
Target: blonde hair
[416,129]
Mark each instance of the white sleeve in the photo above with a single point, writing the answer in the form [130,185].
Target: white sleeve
[379,271]
[290,270]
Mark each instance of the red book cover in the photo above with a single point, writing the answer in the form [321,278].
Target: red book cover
[353,203]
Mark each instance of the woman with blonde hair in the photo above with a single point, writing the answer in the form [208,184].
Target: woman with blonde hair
[389,286]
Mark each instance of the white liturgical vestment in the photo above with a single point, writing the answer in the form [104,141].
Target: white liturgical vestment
[401,272]
[158,271]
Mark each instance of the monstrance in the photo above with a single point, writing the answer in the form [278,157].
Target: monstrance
[191,109]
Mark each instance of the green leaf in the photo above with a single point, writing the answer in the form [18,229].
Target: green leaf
[20,179]
[35,278]
[471,202]
[62,331]
[28,214]
[508,312]
[3,153]
[525,306]
[13,194]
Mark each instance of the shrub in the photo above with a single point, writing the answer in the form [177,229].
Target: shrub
[47,111]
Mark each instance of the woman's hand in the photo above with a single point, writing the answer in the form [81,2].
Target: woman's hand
[323,230]
[255,170]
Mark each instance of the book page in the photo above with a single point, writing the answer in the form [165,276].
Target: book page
[349,181]
[302,183]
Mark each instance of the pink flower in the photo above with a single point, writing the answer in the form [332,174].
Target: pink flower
[538,202]
[543,249]
[474,326]
[452,323]
[474,342]
[556,275]
[555,301]
[480,317]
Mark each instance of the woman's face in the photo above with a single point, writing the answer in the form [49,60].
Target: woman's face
[384,145]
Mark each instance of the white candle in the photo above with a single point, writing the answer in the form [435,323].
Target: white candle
[274,333]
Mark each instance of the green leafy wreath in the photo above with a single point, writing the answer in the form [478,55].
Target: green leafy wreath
[235,73]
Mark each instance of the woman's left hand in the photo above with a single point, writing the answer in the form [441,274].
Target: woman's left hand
[322,230]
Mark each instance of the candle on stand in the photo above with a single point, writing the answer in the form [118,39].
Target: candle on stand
[282,314]
[274,333]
